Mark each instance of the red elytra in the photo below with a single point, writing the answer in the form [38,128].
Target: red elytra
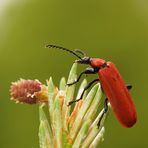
[117,93]
[112,84]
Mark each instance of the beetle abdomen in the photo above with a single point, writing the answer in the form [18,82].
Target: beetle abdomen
[118,95]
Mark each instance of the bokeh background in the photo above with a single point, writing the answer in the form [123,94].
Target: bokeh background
[110,29]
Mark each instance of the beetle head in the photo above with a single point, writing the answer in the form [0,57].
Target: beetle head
[84,60]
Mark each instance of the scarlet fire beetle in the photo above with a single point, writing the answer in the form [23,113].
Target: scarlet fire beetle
[113,86]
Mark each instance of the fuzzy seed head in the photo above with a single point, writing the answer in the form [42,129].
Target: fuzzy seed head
[26,91]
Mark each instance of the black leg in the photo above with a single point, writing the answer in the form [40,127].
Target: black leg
[129,87]
[88,70]
[86,87]
[104,111]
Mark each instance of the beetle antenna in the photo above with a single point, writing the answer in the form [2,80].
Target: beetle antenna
[62,48]
[81,52]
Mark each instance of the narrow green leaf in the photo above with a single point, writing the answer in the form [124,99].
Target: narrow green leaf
[94,129]
[98,139]
[62,92]
[57,123]
[81,135]
[83,84]
[91,113]
[45,133]
[81,88]
[69,95]
[62,85]
[50,97]
[82,111]
[70,89]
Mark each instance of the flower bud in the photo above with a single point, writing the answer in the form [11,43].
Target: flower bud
[28,91]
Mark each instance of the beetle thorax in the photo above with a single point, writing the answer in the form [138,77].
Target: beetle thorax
[96,62]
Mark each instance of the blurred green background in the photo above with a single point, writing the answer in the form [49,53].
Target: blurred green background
[110,29]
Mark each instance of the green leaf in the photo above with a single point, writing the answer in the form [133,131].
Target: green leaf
[78,121]
[51,98]
[57,123]
[45,133]
[69,95]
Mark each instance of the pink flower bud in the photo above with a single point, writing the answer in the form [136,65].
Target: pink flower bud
[25,91]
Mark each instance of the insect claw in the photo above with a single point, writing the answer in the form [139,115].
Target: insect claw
[70,103]
[69,84]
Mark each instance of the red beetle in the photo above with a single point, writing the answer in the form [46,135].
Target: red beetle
[112,85]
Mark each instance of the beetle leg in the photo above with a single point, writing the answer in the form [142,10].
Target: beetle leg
[129,87]
[85,88]
[104,111]
[88,70]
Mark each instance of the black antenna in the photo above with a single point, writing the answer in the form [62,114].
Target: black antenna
[62,48]
[80,51]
